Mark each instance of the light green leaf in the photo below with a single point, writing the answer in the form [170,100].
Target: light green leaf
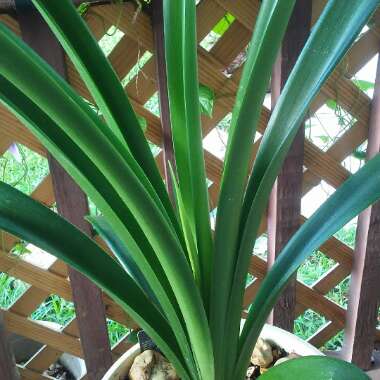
[206,100]
[83,8]
[364,85]
[222,26]
[331,103]
[142,122]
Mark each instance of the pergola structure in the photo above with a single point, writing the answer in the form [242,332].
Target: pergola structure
[220,70]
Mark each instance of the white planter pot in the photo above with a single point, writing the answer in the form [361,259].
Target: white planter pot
[289,342]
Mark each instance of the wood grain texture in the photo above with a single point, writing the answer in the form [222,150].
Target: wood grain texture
[285,214]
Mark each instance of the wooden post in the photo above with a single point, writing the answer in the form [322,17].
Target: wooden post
[8,369]
[159,48]
[364,294]
[285,201]
[72,204]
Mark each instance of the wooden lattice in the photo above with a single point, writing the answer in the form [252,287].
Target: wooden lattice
[320,165]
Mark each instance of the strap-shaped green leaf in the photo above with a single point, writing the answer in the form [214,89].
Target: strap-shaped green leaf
[55,98]
[332,35]
[187,230]
[269,29]
[103,84]
[98,188]
[356,194]
[33,222]
[45,87]
[315,368]
[122,254]
[183,89]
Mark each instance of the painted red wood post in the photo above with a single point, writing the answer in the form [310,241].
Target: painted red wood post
[8,369]
[159,49]
[73,205]
[364,294]
[285,203]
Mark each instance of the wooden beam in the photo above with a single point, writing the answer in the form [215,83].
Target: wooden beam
[72,204]
[8,369]
[5,143]
[364,295]
[285,202]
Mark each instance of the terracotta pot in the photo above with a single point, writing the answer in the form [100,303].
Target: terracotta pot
[289,342]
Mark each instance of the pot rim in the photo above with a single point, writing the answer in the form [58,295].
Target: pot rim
[284,339]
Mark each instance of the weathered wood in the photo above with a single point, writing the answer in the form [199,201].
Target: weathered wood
[159,49]
[72,204]
[8,369]
[286,209]
[364,295]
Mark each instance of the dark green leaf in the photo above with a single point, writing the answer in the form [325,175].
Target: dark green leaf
[22,216]
[105,87]
[183,89]
[330,38]
[122,253]
[356,194]
[269,29]
[92,180]
[315,368]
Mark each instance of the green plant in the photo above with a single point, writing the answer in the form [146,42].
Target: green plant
[181,284]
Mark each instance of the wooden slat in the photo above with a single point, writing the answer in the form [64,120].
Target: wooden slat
[42,359]
[27,374]
[40,333]
[5,143]
[324,334]
[226,49]
[124,56]
[15,131]
[51,283]
[208,14]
